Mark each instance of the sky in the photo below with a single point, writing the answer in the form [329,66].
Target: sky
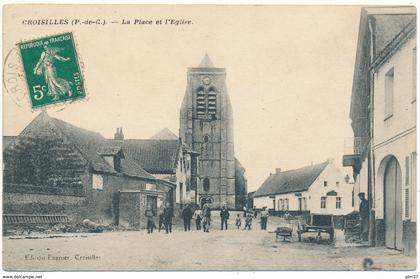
[289,74]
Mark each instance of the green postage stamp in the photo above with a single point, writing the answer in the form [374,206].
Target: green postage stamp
[52,70]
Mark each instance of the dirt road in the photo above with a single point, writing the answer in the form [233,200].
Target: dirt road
[194,250]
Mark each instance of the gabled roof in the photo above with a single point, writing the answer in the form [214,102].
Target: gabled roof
[165,134]
[290,181]
[89,144]
[391,26]
[155,156]
[206,62]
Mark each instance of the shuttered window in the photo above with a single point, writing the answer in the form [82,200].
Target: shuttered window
[407,188]
[407,171]
[206,101]
[201,101]
[389,93]
[407,202]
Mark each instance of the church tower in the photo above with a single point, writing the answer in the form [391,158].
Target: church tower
[206,124]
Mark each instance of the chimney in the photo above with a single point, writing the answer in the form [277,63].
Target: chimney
[278,170]
[119,134]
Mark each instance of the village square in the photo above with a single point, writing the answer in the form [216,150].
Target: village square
[180,200]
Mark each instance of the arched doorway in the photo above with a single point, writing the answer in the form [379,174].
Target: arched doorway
[393,204]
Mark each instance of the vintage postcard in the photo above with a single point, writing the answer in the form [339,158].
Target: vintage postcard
[209,138]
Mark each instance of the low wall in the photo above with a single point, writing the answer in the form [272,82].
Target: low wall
[39,204]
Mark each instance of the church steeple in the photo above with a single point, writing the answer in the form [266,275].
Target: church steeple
[206,62]
[206,125]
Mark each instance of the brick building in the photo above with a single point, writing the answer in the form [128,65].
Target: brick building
[53,167]
[169,160]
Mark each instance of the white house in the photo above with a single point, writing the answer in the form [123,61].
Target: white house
[319,189]
[383,113]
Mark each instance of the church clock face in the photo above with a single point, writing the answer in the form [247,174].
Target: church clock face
[206,80]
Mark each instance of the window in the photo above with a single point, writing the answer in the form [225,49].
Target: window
[206,184]
[389,93]
[323,202]
[201,101]
[282,204]
[97,182]
[278,204]
[305,205]
[212,101]
[352,198]
[206,101]
[325,183]
[414,74]
[286,204]
[338,202]
[206,138]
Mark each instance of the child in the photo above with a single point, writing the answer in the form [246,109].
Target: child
[198,218]
[248,221]
[161,221]
[238,221]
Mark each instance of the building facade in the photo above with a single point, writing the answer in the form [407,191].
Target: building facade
[206,125]
[55,168]
[167,158]
[383,113]
[317,189]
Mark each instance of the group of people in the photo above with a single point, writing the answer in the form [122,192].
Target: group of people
[202,218]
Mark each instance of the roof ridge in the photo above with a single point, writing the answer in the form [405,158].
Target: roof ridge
[304,167]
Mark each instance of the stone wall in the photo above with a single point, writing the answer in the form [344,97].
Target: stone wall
[39,204]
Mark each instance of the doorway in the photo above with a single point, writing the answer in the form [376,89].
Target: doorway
[152,203]
[393,205]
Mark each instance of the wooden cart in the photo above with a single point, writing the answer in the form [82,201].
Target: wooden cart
[320,223]
[283,232]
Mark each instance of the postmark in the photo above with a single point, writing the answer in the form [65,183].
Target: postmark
[52,71]
[14,79]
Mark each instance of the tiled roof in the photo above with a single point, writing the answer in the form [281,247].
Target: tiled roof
[290,181]
[388,27]
[109,150]
[89,144]
[7,140]
[92,145]
[154,156]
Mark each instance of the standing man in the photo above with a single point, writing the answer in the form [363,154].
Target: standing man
[150,219]
[364,215]
[264,217]
[244,210]
[224,215]
[168,214]
[186,216]
[207,216]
